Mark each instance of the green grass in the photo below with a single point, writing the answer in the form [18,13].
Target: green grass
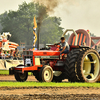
[6,72]
[51,84]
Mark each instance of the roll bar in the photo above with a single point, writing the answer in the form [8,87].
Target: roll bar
[73,32]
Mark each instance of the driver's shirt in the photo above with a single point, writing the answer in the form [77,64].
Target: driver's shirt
[64,44]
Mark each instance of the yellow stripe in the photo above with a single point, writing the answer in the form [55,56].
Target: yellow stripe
[35,38]
[35,24]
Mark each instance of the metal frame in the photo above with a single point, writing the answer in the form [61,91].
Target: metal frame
[73,32]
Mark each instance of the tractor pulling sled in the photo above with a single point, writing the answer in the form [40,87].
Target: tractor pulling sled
[6,45]
[81,64]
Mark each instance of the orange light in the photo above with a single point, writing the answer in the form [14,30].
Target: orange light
[87,30]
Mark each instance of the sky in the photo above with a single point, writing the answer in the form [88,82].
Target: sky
[80,14]
[75,14]
[6,5]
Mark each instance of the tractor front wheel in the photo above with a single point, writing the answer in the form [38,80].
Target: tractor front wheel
[46,74]
[21,77]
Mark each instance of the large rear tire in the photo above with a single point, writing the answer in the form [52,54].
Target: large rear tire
[70,64]
[46,74]
[21,77]
[83,65]
[88,66]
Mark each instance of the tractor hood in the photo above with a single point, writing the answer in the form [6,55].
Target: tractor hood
[46,53]
[41,53]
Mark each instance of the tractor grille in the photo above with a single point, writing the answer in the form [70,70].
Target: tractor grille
[28,58]
[26,53]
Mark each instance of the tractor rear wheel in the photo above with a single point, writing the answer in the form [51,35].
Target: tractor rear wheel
[46,74]
[21,77]
[83,65]
[70,65]
[88,66]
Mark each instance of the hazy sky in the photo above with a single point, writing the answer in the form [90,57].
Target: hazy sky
[6,5]
[76,14]
[80,14]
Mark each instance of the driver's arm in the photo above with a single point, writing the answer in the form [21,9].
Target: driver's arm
[63,49]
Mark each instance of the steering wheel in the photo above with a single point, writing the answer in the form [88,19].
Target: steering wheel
[57,45]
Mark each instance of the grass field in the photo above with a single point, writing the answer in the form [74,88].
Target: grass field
[6,72]
[51,84]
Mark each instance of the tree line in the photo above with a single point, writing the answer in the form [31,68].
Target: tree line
[20,24]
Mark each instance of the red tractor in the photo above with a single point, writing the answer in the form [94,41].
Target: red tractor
[81,64]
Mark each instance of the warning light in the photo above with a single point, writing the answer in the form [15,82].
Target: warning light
[87,30]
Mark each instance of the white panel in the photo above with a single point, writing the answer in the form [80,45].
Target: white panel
[37,61]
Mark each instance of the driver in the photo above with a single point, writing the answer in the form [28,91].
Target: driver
[64,46]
